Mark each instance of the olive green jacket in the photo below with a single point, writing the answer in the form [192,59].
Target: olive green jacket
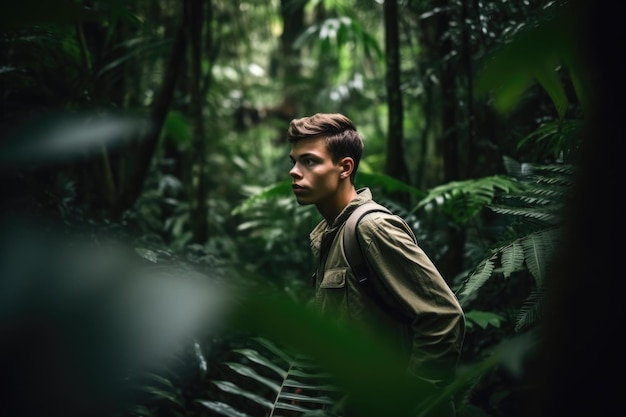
[417,311]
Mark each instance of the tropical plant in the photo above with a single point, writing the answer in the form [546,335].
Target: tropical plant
[281,383]
[535,211]
[114,53]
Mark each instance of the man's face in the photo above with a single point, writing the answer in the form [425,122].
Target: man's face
[315,176]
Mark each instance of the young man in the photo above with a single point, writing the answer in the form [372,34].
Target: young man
[408,300]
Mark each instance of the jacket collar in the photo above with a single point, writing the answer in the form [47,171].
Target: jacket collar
[323,229]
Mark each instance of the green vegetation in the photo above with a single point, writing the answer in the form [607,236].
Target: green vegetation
[153,261]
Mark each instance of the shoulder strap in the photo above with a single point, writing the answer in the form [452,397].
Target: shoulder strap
[351,245]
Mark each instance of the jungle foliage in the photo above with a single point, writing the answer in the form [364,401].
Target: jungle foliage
[153,259]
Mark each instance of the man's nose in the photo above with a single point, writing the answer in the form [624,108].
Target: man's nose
[294,172]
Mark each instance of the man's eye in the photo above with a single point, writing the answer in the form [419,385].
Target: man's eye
[309,162]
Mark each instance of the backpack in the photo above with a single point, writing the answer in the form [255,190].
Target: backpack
[358,264]
[351,246]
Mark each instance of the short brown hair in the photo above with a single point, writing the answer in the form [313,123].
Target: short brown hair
[339,133]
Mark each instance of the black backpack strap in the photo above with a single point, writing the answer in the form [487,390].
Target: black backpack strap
[351,246]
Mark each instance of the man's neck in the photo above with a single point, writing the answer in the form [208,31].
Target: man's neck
[331,209]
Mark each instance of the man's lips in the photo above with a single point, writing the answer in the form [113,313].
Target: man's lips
[297,188]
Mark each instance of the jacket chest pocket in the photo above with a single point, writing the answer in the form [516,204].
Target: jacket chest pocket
[334,278]
[331,292]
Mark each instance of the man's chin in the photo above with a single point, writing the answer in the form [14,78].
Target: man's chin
[302,201]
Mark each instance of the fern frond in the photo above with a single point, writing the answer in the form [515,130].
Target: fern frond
[314,385]
[512,258]
[464,199]
[534,250]
[554,190]
[476,280]
[531,311]
[251,373]
[543,199]
[314,375]
[298,386]
[566,169]
[281,353]
[553,136]
[538,251]
[222,408]
[531,213]
[552,180]
[289,407]
[256,357]
[323,399]
[170,395]
[529,169]
[231,388]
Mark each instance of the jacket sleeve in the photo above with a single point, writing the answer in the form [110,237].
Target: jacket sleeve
[414,286]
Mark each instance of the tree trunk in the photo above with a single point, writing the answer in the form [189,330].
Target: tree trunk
[292,13]
[452,261]
[470,162]
[142,151]
[198,185]
[395,165]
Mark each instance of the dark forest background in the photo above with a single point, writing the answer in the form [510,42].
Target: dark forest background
[153,261]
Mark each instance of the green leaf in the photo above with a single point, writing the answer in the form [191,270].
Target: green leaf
[231,388]
[462,200]
[222,408]
[157,392]
[387,183]
[148,254]
[538,252]
[531,310]
[281,189]
[291,407]
[547,76]
[480,275]
[532,55]
[274,349]
[254,356]
[512,258]
[251,373]
[321,338]
[305,398]
[484,318]
[177,127]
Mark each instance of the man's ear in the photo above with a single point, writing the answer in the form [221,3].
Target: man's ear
[347,166]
